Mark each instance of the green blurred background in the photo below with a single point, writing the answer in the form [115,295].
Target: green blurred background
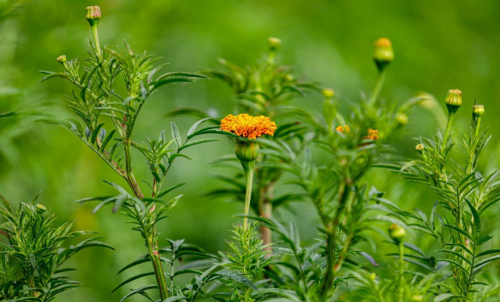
[438,45]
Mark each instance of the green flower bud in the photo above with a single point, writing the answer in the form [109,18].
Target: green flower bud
[402,119]
[41,208]
[61,59]
[478,110]
[274,43]
[397,233]
[246,150]
[289,77]
[383,54]
[420,147]
[328,93]
[373,276]
[417,298]
[453,100]
[93,15]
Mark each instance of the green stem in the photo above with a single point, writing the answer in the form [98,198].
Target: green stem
[158,268]
[330,241]
[451,117]
[248,167]
[378,87]
[96,40]
[265,211]
[401,271]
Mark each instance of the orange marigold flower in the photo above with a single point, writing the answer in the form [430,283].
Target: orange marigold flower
[343,129]
[372,134]
[245,125]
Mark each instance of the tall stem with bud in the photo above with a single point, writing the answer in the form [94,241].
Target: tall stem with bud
[382,56]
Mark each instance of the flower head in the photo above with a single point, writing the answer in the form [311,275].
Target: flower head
[61,59]
[478,110]
[274,43]
[245,125]
[328,93]
[372,134]
[453,100]
[397,232]
[383,54]
[93,14]
[41,208]
[343,129]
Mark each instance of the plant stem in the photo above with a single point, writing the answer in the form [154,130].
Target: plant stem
[330,241]
[378,87]
[265,211]
[248,167]
[401,271]
[96,40]
[158,268]
[451,117]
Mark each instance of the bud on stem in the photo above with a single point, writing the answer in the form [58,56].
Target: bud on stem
[397,233]
[93,15]
[274,45]
[383,54]
[453,102]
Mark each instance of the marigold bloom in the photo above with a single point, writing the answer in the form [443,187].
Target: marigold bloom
[343,129]
[372,134]
[245,125]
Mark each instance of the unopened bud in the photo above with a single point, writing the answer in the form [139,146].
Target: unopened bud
[61,59]
[274,43]
[246,150]
[41,208]
[402,119]
[373,276]
[420,147]
[328,93]
[453,100]
[397,233]
[417,298]
[383,54]
[93,15]
[478,110]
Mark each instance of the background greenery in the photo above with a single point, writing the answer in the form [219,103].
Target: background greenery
[438,45]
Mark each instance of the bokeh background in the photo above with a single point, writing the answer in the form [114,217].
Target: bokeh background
[438,45]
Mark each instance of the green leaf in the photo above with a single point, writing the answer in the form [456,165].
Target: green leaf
[139,290]
[134,263]
[166,191]
[176,135]
[197,142]
[196,125]
[132,279]
[477,219]
[158,84]
[447,297]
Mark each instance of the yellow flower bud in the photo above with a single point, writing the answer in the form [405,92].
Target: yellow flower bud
[274,43]
[61,59]
[453,100]
[383,54]
[402,119]
[478,110]
[397,233]
[417,298]
[93,15]
[328,93]
[420,147]
[41,208]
